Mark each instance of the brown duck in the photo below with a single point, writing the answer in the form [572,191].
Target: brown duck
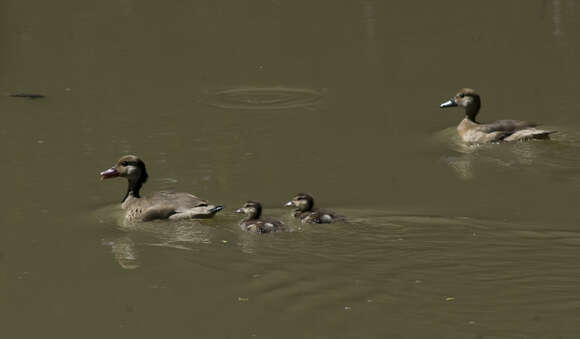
[253,221]
[159,205]
[472,131]
[307,214]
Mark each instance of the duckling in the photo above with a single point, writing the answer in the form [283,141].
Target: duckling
[253,222]
[471,131]
[307,214]
[159,205]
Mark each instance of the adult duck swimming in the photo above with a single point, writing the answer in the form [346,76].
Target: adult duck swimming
[159,205]
[471,131]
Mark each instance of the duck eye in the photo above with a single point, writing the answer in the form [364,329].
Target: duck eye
[124,163]
[461,95]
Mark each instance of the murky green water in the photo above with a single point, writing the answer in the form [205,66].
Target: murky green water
[260,100]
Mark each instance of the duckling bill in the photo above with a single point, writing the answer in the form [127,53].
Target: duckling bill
[472,131]
[253,221]
[305,212]
[159,205]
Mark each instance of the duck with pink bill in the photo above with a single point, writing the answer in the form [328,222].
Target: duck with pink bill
[158,205]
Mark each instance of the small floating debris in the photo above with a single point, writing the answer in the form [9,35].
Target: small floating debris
[450,299]
[26,95]
[243,299]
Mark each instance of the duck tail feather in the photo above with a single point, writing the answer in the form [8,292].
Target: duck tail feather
[216,209]
[543,134]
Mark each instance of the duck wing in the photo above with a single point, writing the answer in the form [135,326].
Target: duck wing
[508,126]
[179,200]
[318,216]
[176,205]
[513,130]
[262,226]
[527,134]
[272,225]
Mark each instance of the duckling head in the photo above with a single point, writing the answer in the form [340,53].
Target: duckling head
[466,98]
[302,202]
[252,210]
[132,168]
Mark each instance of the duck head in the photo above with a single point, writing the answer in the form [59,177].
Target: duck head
[302,202]
[132,168]
[252,210]
[466,98]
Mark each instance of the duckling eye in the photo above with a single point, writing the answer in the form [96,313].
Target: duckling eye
[461,95]
[124,163]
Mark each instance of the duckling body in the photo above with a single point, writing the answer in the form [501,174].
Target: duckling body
[261,226]
[471,131]
[316,217]
[159,205]
[307,214]
[253,221]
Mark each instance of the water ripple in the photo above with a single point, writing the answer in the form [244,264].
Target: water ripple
[271,98]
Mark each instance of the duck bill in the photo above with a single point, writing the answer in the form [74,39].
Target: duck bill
[448,103]
[289,203]
[110,173]
[240,210]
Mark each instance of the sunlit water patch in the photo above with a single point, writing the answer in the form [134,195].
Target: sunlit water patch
[269,98]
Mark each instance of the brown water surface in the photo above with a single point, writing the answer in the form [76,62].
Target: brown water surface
[238,100]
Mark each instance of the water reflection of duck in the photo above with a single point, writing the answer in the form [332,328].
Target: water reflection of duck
[253,222]
[159,205]
[125,252]
[307,214]
[472,131]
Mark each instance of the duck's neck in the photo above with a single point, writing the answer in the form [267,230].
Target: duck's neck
[471,117]
[133,190]
[252,216]
[306,207]
[471,111]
